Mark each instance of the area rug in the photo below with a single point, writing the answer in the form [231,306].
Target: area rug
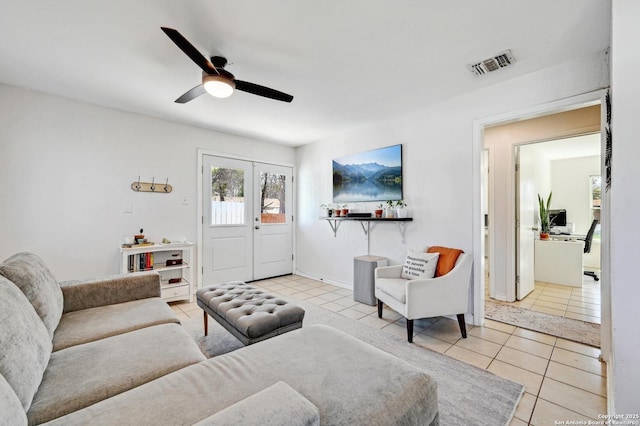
[467,395]
[567,328]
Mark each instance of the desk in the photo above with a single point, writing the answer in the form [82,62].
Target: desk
[567,237]
[559,262]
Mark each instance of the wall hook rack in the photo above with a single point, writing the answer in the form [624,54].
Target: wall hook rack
[138,186]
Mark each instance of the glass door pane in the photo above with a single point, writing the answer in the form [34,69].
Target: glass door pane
[227,196]
[272,198]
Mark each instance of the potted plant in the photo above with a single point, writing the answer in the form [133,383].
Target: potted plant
[324,210]
[378,211]
[390,210]
[401,212]
[345,210]
[545,224]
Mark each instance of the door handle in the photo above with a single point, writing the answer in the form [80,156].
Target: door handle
[257,227]
[535,228]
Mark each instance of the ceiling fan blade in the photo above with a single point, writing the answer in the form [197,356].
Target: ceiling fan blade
[190,50]
[191,94]
[256,89]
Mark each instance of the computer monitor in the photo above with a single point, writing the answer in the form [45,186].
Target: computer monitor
[558,217]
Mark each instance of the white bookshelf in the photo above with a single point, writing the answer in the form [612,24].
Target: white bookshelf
[134,260]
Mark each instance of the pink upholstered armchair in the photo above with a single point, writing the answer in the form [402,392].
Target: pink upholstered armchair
[428,297]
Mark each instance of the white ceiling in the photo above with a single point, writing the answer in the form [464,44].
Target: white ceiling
[347,62]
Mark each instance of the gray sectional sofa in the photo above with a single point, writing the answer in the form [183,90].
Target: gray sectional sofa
[110,351]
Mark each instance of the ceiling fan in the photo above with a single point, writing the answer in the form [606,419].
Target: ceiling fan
[216,80]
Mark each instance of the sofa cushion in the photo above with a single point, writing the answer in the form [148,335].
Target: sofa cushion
[419,265]
[11,409]
[447,260]
[31,275]
[351,382]
[25,345]
[82,375]
[278,405]
[394,287]
[93,324]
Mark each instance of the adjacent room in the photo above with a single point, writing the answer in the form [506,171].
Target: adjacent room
[226,212]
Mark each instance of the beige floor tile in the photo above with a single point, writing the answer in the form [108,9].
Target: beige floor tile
[524,304]
[444,329]
[530,346]
[578,347]
[531,381]
[576,360]
[469,357]
[556,312]
[547,413]
[553,305]
[288,291]
[595,320]
[332,306]
[587,305]
[344,292]
[554,299]
[584,311]
[432,343]
[315,300]
[480,346]
[330,297]
[572,398]
[525,407]
[347,302]
[316,291]
[374,321]
[517,422]
[489,334]
[581,379]
[500,326]
[303,295]
[523,360]
[365,308]
[352,313]
[534,335]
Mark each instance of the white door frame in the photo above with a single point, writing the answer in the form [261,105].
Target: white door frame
[562,105]
[201,152]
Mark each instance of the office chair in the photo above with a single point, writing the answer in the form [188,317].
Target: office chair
[587,247]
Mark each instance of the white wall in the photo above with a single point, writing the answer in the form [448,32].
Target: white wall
[66,168]
[438,156]
[572,191]
[625,207]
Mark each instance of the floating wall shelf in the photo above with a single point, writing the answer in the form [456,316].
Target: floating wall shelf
[365,223]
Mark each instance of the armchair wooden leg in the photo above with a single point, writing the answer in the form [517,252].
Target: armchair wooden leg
[206,323]
[379,308]
[410,330]
[463,326]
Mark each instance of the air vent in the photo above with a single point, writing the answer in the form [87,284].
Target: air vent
[501,60]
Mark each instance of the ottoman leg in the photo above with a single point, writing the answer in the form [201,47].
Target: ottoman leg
[206,323]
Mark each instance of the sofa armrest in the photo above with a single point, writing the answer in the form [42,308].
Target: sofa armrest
[388,271]
[109,290]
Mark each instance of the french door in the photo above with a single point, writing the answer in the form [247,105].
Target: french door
[247,231]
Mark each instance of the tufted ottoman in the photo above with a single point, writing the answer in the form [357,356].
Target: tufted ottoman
[248,313]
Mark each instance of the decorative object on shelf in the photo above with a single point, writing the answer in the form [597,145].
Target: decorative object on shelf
[545,224]
[368,176]
[324,210]
[389,212]
[401,210]
[378,211]
[344,211]
[151,186]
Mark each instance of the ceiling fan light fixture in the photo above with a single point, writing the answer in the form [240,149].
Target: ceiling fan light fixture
[218,85]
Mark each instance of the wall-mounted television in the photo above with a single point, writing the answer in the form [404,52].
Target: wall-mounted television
[368,176]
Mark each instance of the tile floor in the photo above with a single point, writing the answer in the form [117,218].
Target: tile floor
[581,303]
[564,380]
